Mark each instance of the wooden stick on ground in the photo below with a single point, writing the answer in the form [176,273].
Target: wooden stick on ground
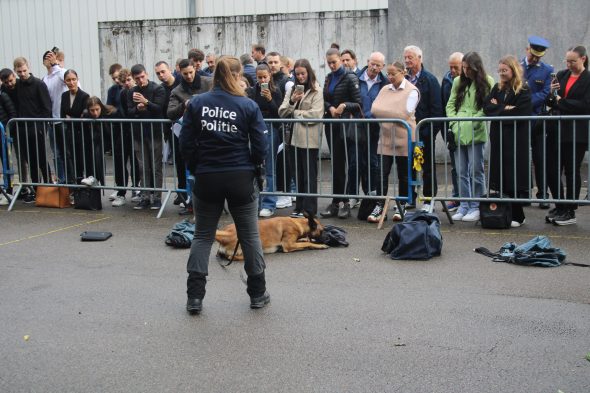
[385,208]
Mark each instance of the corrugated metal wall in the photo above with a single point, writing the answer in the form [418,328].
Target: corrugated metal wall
[30,27]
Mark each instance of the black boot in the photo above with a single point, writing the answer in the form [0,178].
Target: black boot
[195,291]
[259,297]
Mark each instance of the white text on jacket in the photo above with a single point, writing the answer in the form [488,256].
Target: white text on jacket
[213,119]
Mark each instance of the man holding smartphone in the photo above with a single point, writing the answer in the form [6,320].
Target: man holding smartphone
[538,76]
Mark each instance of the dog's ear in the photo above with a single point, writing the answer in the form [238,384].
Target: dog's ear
[310,220]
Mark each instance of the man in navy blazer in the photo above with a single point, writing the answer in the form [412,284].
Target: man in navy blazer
[538,76]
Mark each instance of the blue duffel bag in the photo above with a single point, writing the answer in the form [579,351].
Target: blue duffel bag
[417,237]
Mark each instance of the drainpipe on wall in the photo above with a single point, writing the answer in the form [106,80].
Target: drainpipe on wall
[195,8]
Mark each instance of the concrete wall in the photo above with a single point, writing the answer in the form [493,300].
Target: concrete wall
[303,35]
[491,28]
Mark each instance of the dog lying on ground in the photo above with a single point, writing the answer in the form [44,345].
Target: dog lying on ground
[278,233]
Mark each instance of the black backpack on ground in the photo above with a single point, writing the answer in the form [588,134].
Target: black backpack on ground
[87,199]
[417,237]
[495,215]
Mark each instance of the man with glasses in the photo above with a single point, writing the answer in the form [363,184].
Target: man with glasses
[538,76]
[371,81]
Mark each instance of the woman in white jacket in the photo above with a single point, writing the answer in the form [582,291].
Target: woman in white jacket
[304,100]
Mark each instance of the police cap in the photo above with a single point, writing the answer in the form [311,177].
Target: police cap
[538,45]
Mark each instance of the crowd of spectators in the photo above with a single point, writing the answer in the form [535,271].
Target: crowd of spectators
[363,155]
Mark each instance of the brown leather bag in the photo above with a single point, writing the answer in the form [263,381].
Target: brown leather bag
[58,197]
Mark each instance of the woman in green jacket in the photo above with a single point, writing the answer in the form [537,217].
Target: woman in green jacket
[467,98]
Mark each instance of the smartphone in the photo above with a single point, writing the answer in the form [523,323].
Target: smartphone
[95,236]
[264,86]
[299,88]
[554,80]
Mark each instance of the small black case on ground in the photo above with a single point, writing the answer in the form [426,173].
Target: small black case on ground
[87,199]
[95,236]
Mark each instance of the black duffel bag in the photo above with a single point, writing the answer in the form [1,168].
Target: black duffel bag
[417,237]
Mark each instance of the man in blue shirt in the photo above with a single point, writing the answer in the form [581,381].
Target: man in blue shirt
[538,76]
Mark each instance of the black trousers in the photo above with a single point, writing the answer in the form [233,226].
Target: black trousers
[179,163]
[538,144]
[306,170]
[210,192]
[88,153]
[33,150]
[565,158]
[428,137]
[124,163]
[335,137]
[402,176]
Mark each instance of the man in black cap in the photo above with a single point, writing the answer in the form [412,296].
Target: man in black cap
[538,76]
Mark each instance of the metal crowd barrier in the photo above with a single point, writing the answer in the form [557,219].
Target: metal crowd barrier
[62,151]
[548,135]
[356,141]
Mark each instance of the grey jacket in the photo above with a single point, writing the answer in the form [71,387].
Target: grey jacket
[185,91]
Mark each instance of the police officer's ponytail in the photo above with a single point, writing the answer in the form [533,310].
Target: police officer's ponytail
[227,75]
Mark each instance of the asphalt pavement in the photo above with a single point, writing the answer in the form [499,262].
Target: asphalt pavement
[109,316]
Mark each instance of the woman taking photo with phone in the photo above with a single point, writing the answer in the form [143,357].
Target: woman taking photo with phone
[568,139]
[222,141]
[305,100]
[268,98]
[509,167]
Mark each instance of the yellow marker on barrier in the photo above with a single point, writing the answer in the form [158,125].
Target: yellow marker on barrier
[418,158]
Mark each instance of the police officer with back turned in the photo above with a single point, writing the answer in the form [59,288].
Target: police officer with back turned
[222,141]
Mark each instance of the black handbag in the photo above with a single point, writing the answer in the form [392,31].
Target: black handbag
[87,199]
[495,215]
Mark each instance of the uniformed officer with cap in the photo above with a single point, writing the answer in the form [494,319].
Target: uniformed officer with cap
[538,76]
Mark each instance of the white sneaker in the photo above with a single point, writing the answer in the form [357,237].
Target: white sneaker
[472,216]
[113,196]
[136,198]
[3,200]
[516,224]
[426,208]
[89,181]
[266,213]
[461,212]
[354,203]
[283,202]
[119,201]
[396,214]
[458,216]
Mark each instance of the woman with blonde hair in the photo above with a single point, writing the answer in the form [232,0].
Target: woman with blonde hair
[509,158]
[222,141]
